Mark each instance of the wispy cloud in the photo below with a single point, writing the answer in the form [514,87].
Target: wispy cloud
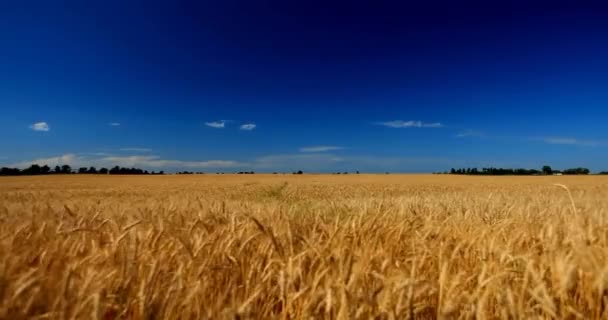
[248,126]
[320,148]
[99,154]
[147,161]
[136,149]
[69,159]
[469,133]
[410,124]
[40,126]
[114,124]
[327,162]
[291,162]
[216,124]
[569,141]
[158,162]
[308,162]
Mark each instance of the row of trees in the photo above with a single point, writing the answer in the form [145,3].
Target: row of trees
[66,169]
[576,171]
[546,170]
[495,171]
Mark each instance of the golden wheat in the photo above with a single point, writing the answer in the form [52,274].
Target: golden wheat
[302,247]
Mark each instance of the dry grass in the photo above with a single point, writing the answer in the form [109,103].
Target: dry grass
[293,247]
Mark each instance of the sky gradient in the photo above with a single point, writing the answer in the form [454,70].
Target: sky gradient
[304,85]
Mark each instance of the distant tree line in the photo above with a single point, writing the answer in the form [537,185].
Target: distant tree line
[35,169]
[576,171]
[546,170]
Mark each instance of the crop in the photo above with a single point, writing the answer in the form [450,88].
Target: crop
[302,247]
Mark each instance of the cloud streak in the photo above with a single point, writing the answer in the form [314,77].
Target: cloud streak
[69,159]
[216,124]
[320,149]
[158,162]
[469,133]
[136,149]
[40,126]
[248,126]
[410,124]
[147,161]
[114,124]
[308,162]
[569,141]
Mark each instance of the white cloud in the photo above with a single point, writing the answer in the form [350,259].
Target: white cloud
[114,124]
[327,162]
[410,124]
[216,124]
[136,149]
[69,159]
[292,162]
[148,161]
[569,141]
[308,162]
[469,133]
[248,126]
[40,126]
[158,162]
[320,148]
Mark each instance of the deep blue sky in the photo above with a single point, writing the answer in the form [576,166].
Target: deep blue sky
[329,86]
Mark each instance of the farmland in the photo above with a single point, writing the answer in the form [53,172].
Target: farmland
[301,247]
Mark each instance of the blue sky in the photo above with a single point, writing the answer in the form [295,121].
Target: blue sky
[289,85]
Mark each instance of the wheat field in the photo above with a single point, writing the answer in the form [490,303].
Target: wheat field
[303,247]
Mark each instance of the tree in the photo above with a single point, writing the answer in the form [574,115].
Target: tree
[547,170]
[92,170]
[45,169]
[9,171]
[66,169]
[32,170]
[103,171]
[82,170]
[57,169]
[577,171]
